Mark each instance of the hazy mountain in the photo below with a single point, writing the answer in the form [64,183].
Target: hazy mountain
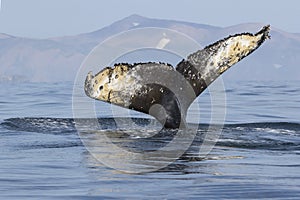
[58,59]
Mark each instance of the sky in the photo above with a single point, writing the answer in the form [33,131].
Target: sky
[52,18]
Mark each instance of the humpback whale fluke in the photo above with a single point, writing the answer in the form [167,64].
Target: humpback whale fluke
[164,92]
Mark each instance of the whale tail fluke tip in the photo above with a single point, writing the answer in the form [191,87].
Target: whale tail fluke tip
[265,31]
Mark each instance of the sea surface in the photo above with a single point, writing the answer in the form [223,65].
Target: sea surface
[256,154]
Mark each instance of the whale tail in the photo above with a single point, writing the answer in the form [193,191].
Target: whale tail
[159,90]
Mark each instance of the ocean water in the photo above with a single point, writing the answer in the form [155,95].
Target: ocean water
[257,154]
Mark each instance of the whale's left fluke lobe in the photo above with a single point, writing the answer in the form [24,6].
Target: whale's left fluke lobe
[164,92]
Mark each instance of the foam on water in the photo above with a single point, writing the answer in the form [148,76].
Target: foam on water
[277,135]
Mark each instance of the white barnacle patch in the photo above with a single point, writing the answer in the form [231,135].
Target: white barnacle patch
[96,86]
[152,100]
[230,51]
[122,85]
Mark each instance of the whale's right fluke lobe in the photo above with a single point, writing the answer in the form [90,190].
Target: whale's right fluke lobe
[204,66]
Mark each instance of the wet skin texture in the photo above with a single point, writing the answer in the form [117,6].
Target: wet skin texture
[142,86]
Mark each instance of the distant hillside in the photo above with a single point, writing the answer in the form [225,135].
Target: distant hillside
[57,59]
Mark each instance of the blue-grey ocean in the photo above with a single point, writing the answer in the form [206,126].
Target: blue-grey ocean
[256,156]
